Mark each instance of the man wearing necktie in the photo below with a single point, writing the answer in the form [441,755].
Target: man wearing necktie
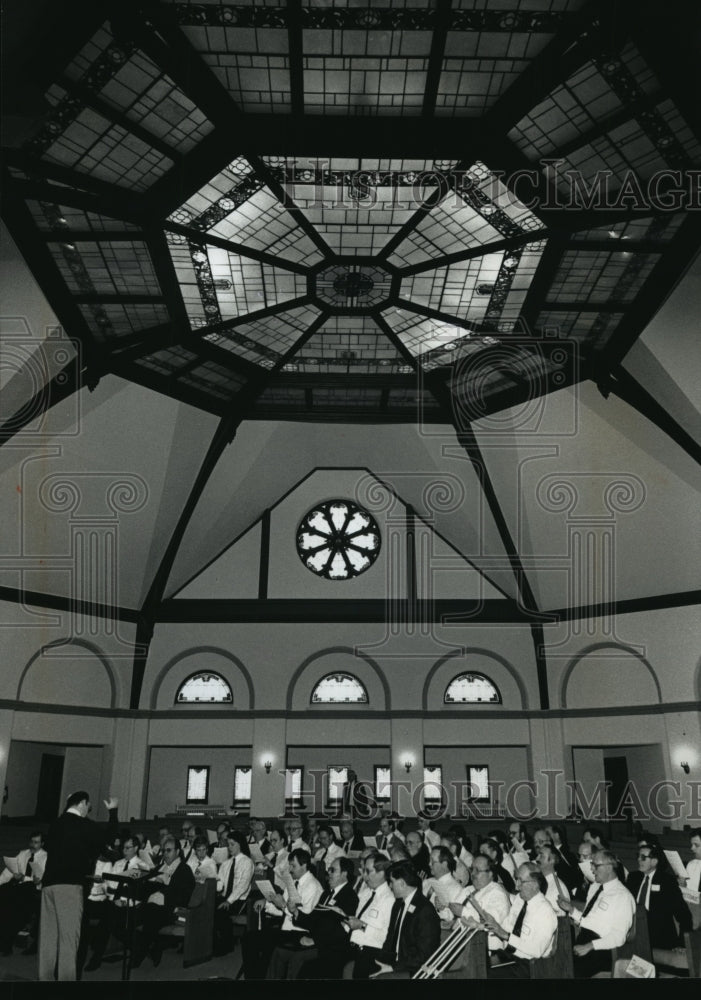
[661,896]
[530,928]
[605,919]
[322,927]
[547,862]
[414,928]
[19,894]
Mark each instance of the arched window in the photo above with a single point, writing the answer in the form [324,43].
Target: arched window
[471,688]
[335,688]
[204,687]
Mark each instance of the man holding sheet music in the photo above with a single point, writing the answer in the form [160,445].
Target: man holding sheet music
[322,927]
[301,892]
[20,884]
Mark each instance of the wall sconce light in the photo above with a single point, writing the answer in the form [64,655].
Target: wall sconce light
[685,767]
[267,766]
[408,764]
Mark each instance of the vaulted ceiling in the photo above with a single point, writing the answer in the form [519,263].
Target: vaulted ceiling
[292,210]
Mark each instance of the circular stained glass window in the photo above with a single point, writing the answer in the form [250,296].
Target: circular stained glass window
[338,540]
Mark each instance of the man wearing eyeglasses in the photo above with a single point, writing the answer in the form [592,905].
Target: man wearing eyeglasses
[604,921]
[529,929]
[659,893]
[176,882]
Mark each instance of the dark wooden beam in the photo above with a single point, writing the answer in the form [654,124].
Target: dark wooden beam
[622,384]
[296,56]
[662,279]
[435,58]
[57,602]
[91,100]
[560,58]
[330,610]
[23,230]
[69,380]
[658,602]
[198,236]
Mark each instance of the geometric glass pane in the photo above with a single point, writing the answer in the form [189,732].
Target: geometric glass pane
[337,778]
[383,778]
[478,778]
[242,784]
[197,784]
[433,784]
[293,784]
[471,688]
[204,687]
[335,688]
[338,540]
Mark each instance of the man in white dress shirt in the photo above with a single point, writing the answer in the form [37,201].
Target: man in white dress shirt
[491,897]
[328,849]
[20,894]
[425,824]
[604,921]
[368,928]
[547,859]
[442,888]
[203,867]
[530,928]
[302,894]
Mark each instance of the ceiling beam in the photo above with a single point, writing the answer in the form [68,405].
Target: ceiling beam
[622,384]
[204,237]
[69,380]
[284,610]
[90,99]
[23,230]
[560,58]
[296,56]
[665,275]
[439,36]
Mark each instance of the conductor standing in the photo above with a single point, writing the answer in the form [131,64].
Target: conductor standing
[72,844]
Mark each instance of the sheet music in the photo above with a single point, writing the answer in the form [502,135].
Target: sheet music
[267,888]
[676,863]
[638,968]
[256,854]
[219,855]
[12,865]
[212,836]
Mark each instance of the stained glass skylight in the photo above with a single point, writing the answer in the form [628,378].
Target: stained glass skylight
[330,193]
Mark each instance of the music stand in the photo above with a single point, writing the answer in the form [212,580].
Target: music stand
[132,889]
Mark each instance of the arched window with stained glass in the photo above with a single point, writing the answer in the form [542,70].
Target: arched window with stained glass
[471,688]
[339,688]
[204,687]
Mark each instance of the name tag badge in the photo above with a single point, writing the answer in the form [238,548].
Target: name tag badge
[372,913]
[655,888]
[603,905]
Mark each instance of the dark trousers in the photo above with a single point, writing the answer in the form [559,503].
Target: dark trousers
[362,963]
[257,947]
[223,928]
[152,918]
[288,956]
[596,961]
[19,906]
